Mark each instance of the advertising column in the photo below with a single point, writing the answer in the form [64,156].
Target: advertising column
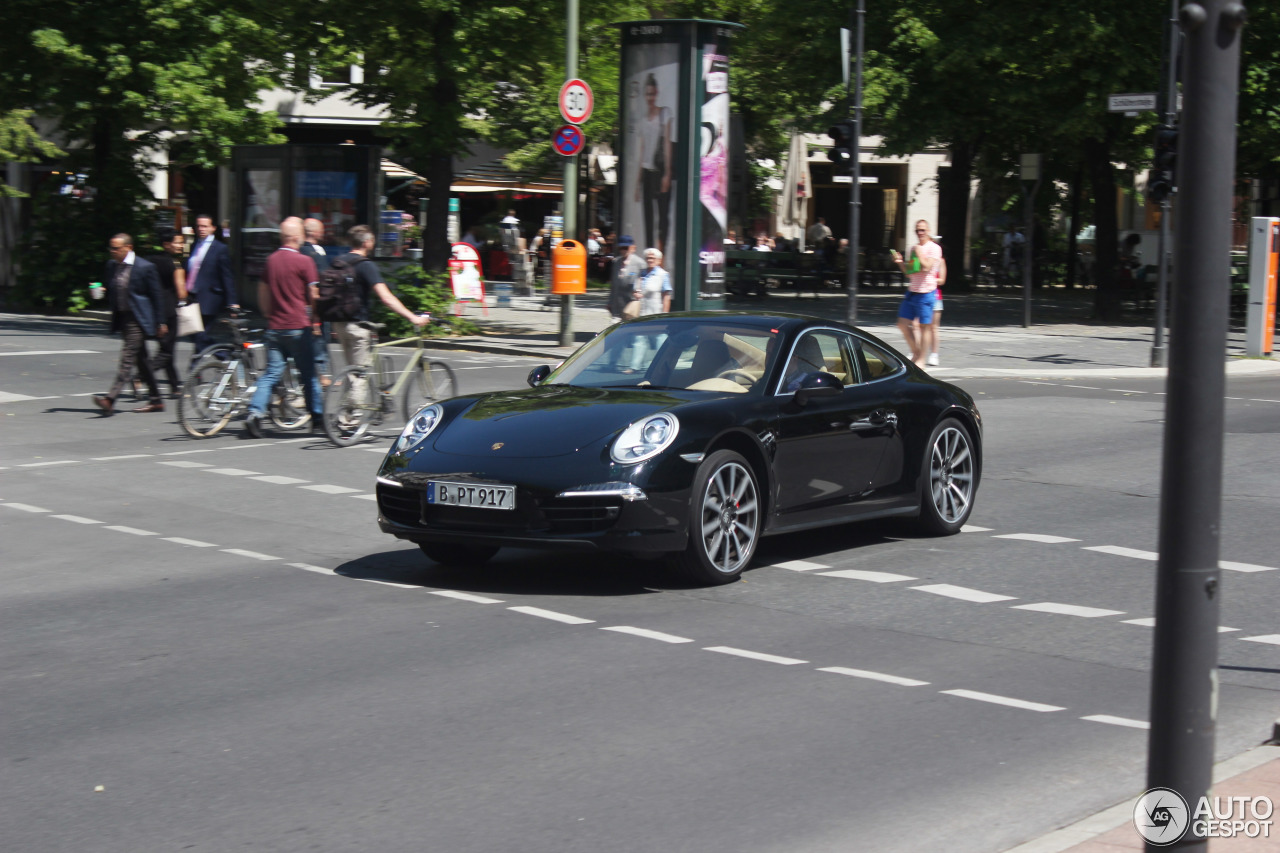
[1264,258]
[674,163]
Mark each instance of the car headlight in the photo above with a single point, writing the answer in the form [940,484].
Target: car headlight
[645,438]
[419,427]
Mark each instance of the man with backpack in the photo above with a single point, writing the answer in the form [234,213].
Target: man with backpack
[344,294]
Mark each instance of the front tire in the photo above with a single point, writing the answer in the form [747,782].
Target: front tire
[456,555]
[431,381]
[212,393]
[949,479]
[725,519]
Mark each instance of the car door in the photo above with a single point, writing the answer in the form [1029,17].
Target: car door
[827,449]
[880,374]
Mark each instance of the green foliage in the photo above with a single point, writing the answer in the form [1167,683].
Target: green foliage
[421,292]
[57,262]
[20,143]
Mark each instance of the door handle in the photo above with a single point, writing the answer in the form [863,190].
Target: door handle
[875,420]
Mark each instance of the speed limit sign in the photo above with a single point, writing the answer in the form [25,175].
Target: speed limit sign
[576,101]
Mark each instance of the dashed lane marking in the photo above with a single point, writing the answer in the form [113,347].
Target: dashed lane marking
[1042,538]
[464,596]
[189,452]
[26,507]
[973,528]
[744,653]
[1122,552]
[873,676]
[799,566]
[381,583]
[1003,700]
[1068,609]
[1125,391]
[320,570]
[1244,567]
[278,480]
[132,531]
[330,490]
[47,464]
[963,593]
[1083,387]
[194,543]
[862,575]
[54,352]
[117,458]
[1271,639]
[1117,721]
[647,634]
[552,615]
[253,555]
[185,463]
[1144,622]
[365,497]
[232,472]
[78,519]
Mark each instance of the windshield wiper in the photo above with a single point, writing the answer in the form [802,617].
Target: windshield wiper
[646,387]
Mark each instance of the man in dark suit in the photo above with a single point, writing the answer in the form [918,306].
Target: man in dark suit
[209,279]
[135,301]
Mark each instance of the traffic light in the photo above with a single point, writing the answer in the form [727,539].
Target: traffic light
[841,152]
[1160,182]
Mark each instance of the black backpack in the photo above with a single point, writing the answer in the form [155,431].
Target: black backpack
[339,295]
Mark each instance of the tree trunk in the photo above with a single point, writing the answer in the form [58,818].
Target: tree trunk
[1073,244]
[953,209]
[1102,176]
[435,238]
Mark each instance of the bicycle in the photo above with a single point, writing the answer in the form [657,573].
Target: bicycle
[222,382]
[360,396]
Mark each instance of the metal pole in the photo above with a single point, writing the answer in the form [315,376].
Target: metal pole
[569,201]
[1028,213]
[855,152]
[1158,354]
[1184,668]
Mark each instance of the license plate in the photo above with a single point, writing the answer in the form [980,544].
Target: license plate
[469,494]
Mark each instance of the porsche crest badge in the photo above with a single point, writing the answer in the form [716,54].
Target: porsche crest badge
[497,445]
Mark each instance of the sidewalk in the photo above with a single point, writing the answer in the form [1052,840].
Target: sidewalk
[982,333]
[1255,773]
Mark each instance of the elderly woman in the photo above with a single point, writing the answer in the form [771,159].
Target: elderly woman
[653,289]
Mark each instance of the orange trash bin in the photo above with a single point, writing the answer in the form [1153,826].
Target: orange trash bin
[569,267]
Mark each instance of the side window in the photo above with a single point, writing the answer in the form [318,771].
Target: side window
[818,351]
[876,362]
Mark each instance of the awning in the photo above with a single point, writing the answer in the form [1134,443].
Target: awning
[395,170]
[485,188]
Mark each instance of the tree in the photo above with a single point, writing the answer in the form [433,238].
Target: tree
[117,80]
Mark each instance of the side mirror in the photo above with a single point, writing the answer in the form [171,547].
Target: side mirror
[538,374]
[817,384]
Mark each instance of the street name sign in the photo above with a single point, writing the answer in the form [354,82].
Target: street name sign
[1138,102]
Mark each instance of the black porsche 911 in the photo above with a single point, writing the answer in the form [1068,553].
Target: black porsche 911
[690,435]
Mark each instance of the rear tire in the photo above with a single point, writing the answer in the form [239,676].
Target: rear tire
[433,380]
[211,395]
[948,479]
[288,409]
[350,405]
[457,555]
[725,520]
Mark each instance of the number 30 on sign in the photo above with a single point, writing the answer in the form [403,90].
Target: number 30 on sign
[576,101]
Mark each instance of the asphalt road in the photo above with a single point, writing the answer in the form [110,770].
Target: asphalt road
[208,645]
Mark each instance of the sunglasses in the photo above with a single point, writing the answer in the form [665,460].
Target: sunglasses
[921,231]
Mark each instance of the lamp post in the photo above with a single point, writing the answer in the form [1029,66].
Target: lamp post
[569,200]
[855,151]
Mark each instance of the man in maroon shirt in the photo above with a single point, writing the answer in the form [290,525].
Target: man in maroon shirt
[286,295]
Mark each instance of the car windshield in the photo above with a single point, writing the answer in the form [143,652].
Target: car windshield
[703,355]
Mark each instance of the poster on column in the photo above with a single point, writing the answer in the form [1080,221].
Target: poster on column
[651,105]
[713,188]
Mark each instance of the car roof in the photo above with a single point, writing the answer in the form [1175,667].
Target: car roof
[779,320]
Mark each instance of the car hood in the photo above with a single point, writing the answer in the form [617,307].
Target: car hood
[551,420]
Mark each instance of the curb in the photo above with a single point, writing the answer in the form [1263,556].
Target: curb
[1121,813]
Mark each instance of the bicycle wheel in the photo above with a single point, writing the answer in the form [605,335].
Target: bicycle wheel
[431,381]
[350,405]
[288,409]
[212,394]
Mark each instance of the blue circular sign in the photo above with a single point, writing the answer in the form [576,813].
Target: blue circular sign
[568,140]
